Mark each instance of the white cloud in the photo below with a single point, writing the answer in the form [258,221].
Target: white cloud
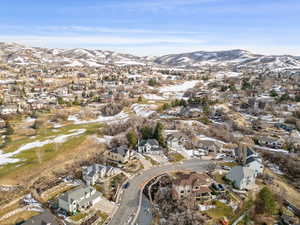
[143,46]
[95,40]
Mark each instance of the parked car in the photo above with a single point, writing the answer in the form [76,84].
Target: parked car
[126,185]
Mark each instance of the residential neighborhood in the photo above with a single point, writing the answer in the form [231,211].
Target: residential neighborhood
[119,143]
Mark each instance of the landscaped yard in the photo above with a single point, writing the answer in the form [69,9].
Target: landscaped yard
[103,217]
[219,178]
[220,211]
[175,157]
[153,162]
[78,216]
[229,164]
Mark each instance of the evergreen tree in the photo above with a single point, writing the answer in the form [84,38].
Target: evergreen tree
[158,134]
[266,202]
[147,132]
[132,138]
[9,129]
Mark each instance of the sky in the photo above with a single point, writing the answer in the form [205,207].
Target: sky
[154,27]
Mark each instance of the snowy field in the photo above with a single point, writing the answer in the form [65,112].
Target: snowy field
[153,97]
[178,90]
[143,110]
[122,116]
[7,158]
[206,138]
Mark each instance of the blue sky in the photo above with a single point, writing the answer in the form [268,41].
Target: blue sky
[154,27]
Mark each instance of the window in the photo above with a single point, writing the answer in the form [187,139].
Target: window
[181,191]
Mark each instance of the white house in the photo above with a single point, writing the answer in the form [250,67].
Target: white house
[242,177]
[255,164]
[93,173]
[149,146]
[78,199]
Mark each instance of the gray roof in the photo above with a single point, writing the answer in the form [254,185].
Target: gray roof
[76,193]
[240,172]
[122,150]
[151,142]
[42,219]
[93,169]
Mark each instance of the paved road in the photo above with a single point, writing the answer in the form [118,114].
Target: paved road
[130,197]
[145,216]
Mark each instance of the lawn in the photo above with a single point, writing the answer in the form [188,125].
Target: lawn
[175,157]
[229,164]
[103,216]
[153,162]
[220,211]
[219,178]
[78,216]
[33,158]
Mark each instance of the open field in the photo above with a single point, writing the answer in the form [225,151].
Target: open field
[27,154]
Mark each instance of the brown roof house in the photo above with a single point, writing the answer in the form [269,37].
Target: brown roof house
[193,186]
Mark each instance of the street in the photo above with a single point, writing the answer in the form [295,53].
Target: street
[130,197]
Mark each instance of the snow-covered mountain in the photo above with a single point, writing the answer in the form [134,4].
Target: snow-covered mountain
[226,58]
[13,53]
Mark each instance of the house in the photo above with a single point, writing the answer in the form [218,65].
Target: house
[45,218]
[271,142]
[149,146]
[191,112]
[78,199]
[120,154]
[93,173]
[192,186]
[176,140]
[212,147]
[255,164]
[242,177]
[243,152]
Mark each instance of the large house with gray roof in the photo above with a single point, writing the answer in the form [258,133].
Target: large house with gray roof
[242,177]
[91,174]
[78,199]
[119,155]
[149,146]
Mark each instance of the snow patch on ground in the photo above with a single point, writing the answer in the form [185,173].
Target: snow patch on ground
[153,97]
[143,110]
[206,138]
[101,119]
[179,89]
[7,158]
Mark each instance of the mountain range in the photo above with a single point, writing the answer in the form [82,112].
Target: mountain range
[12,53]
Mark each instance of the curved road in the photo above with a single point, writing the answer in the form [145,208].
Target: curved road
[130,197]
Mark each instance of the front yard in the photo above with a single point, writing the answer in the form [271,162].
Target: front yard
[175,157]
